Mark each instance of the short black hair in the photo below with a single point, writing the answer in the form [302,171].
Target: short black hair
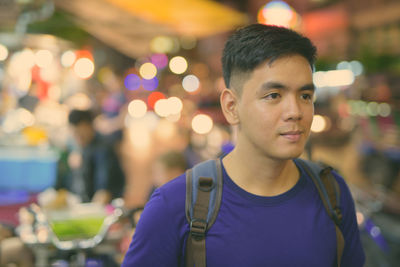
[248,47]
[77,116]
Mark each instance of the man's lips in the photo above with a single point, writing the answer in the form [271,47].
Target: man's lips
[292,135]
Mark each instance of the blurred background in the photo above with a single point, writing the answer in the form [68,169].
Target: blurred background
[149,72]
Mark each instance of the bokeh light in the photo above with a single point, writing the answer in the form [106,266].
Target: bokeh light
[161,108]
[178,65]
[23,82]
[50,74]
[84,68]
[188,42]
[190,83]
[17,119]
[3,52]
[137,108]
[384,109]
[162,44]
[319,124]
[79,101]
[372,109]
[68,58]
[355,66]
[174,117]
[175,105]
[159,60]
[148,71]
[54,92]
[43,58]
[278,13]
[333,78]
[22,60]
[343,65]
[169,108]
[150,85]
[154,97]
[202,124]
[132,81]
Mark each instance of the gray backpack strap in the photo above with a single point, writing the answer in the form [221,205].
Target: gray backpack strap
[329,191]
[203,199]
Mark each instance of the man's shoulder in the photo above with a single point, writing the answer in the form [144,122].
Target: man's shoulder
[175,184]
[319,166]
[168,200]
[344,188]
[173,190]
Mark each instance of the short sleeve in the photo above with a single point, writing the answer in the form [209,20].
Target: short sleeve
[156,240]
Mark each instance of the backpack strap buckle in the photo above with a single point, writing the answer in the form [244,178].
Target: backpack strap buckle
[337,215]
[198,228]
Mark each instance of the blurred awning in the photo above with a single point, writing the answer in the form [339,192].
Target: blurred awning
[130,25]
[187,17]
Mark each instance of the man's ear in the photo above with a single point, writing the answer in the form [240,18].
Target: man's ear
[229,105]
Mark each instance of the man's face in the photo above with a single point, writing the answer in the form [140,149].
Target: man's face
[275,109]
[83,133]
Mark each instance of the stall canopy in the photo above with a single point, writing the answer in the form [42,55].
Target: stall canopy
[129,26]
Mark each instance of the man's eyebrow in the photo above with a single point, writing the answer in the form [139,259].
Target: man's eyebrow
[272,85]
[310,86]
[278,85]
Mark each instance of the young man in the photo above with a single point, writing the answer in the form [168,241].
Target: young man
[271,213]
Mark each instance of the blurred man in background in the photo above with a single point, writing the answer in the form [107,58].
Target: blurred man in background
[168,166]
[92,169]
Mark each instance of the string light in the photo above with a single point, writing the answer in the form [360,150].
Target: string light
[178,65]
[148,70]
[3,52]
[68,58]
[84,68]
[202,124]
[190,83]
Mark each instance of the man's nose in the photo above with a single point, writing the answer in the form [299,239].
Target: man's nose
[292,109]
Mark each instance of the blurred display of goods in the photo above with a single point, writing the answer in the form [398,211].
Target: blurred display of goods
[27,168]
[75,235]
[82,222]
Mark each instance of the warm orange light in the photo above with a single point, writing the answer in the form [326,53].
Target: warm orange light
[154,97]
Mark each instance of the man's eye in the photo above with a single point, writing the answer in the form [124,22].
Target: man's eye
[272,96]
[307,96]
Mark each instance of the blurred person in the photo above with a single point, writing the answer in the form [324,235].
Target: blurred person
[112,108]
[93,171]
[271,213]
[191,151]
[168,166]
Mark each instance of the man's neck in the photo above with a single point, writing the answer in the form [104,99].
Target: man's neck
[261,175]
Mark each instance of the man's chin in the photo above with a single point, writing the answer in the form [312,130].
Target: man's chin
[289,155]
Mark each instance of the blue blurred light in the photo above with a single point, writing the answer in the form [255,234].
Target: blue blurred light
[132,82]
[150,85]
[277,4]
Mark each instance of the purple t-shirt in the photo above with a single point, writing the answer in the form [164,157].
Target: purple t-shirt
[291,229]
